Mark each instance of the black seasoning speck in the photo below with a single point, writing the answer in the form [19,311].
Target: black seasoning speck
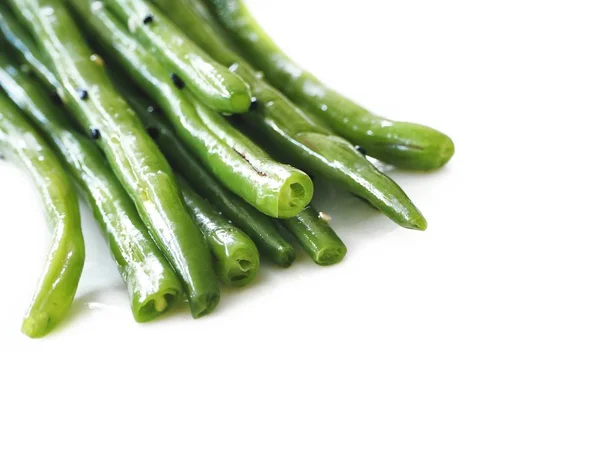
[177,81]
[83,94]
[148,19]
[153,132]
[56,98]
[360,149]
[235,119]
[254,104]
[94,133]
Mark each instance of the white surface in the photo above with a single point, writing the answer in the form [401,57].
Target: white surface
[481,333]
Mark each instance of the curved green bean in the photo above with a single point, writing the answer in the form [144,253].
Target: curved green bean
[236,256]
[136,161]
[316,237]
[276,189]
[62,273]
[290,134]
[261,229]
[152,285]
[216,86]
[406,145]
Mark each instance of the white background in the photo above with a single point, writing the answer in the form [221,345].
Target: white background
[481,333]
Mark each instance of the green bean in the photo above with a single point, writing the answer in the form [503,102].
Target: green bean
[406,145]
[152,285]
[216,86]
[261,229]
[136,161]
[316,237]
[290,134]
[21,41]
[62,273]
[275,189]
[236,256]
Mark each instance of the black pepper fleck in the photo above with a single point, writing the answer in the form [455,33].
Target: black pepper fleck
[235,119]
[360,149]
[83,94]
[152,131]
[56,98]
[177,81]
[254,104]
[94,133]
[148,19]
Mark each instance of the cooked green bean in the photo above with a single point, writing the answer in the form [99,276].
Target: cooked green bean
[136,161]
[236,256]
[261,229]
[21,41]
[290,134]
[275,189]
[62,273]
[191,67]
[406,145]
[152,285]
[316,237]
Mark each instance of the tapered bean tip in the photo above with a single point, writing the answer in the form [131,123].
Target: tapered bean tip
[286,258]
[240,103]
[446,150]
[417,223]
[37,325]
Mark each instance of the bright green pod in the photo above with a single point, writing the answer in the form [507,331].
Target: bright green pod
[236,256]
[56,291]
[152,285]
[405,145]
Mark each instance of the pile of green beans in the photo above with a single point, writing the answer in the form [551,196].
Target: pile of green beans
[193,163]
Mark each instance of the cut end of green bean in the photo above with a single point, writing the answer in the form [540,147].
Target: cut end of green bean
[204,305]
[38,325]
[155,306]
[296,193]
[330,256]
[242,271]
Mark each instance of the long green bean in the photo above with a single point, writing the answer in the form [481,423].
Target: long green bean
[62,273]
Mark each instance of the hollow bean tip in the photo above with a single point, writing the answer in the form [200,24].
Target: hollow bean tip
[37,325]
[417,223]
